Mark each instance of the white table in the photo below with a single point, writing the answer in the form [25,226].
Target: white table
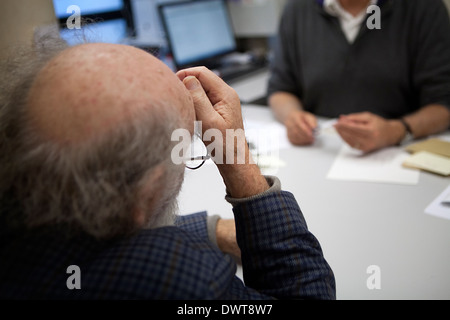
[358,224]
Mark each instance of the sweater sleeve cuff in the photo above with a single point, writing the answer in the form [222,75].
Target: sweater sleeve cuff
[274,186]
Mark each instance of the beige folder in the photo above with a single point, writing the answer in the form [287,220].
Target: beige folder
[434,145]
[432,155]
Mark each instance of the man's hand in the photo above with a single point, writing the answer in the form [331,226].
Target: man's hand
[226,237]
[218,106]
[300,127]
[368,132]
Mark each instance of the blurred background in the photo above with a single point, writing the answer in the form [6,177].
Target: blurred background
[253,25]
[135,22]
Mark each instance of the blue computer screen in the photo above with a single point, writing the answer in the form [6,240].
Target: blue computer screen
[198,30]
[87,7]
[112,30]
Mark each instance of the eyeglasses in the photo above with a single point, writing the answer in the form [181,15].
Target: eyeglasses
[199,154]
[196,162]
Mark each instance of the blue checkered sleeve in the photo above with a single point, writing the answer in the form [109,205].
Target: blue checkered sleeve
[280,257]
[194,223]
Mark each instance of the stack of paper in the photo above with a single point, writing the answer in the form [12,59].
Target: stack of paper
[432,155]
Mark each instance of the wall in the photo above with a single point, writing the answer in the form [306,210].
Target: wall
[19,18]
[255,18]
[447,2]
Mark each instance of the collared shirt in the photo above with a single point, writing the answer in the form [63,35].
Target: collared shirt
[350,24]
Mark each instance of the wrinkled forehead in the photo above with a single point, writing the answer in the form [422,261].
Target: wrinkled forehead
[89,89]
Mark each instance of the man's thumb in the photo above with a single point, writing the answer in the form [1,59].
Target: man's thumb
[202,104]
[191,83]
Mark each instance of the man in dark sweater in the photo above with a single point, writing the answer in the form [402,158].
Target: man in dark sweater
[387,83]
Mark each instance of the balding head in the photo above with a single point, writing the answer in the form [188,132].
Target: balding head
[85,144]
[90,89]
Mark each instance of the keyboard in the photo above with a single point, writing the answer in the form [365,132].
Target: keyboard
[234,72]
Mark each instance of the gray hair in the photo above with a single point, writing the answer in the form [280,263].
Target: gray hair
[92,187]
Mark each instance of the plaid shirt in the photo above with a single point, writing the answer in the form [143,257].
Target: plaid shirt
[281,259]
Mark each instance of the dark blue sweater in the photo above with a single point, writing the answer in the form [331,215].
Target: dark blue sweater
[391,72]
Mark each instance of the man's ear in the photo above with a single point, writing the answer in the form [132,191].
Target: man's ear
[150,193]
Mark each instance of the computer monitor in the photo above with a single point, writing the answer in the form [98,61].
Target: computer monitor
[112,21]
[148,27]
[197,31]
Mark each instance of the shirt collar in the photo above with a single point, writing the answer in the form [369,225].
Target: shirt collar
[334,8]
[378,2]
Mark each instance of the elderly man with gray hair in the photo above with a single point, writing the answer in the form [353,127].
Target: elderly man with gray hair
[87,185]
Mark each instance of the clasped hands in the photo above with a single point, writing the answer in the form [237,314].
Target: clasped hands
[364,131]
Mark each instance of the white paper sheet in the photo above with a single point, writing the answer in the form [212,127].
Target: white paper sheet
[440,207]
[266,138]
[383,166]
[265,141]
